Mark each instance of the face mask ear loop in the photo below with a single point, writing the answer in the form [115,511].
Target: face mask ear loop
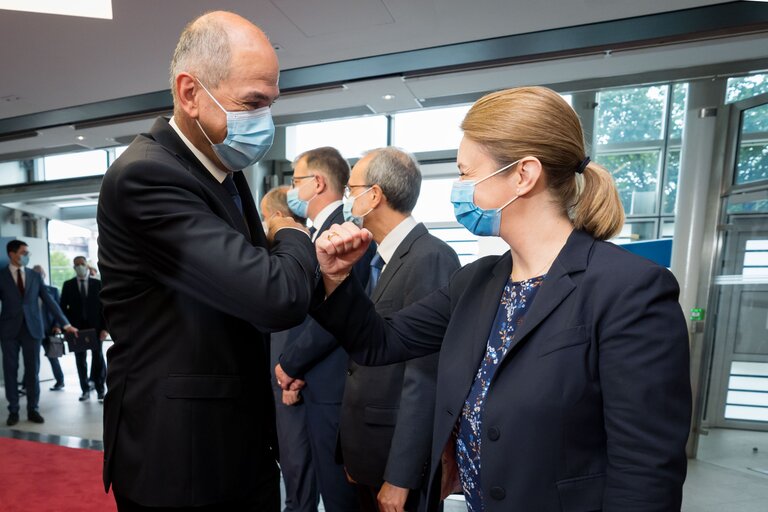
[211,95]
[497,172]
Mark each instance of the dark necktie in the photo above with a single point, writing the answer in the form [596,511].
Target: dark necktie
[229,184]
[83,296]
[20,282]
[312,232]
[377,263]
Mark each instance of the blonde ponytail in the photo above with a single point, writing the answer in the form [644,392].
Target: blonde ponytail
[598,209]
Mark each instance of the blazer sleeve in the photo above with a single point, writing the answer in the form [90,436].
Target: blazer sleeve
[372,340]
[412,438]
[644,376]
[52,305]
[313,343]
[270,288]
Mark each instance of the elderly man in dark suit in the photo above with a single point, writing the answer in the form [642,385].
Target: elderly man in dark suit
[310,352]
[80,301]
[21,329]
[192,286]
[387,412]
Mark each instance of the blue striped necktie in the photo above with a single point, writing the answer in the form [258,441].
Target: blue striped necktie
[377,263]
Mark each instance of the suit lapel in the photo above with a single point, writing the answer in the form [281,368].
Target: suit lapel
[336,217]
[250,212]
[478,306]
[163,133]
[397,260]
[557,285]
[9,279]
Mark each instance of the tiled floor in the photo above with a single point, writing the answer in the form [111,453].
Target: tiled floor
[726,477]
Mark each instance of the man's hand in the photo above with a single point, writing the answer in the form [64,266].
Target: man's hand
[287,382]
[291,397]
[103,335]
[277,223]
[392,498]
[71,329]
[338,249]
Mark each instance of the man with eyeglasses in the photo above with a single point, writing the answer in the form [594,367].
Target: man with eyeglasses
[310,352]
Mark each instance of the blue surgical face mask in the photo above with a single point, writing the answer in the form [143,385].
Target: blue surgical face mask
[24,260]
[477,220]
[349,203]
[297,205]
[249,136]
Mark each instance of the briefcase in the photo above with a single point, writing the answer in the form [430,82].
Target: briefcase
[54,346]
[86,339]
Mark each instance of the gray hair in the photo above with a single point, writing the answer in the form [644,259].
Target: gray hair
[397,173]
[204,51]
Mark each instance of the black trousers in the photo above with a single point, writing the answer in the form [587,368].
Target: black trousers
[367,496]
[30,348]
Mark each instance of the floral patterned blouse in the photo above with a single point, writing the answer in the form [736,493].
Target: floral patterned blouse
[515,301]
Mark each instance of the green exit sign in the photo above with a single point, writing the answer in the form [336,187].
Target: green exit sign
[697,314]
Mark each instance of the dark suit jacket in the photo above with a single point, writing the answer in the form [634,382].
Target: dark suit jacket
[16,310]
[312,353]
[387,412]
[189,292]
[49,318]
[90,318]
[589,410]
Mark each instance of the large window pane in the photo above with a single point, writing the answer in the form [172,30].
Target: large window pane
[429,130]
[677,116]
[743,87]
[669,198]
[637,178]
[631,115]
[74,165]
[12,173]
[637,231]
[752,158]
[352,137]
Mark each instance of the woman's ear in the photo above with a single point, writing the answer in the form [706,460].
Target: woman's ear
[529,174]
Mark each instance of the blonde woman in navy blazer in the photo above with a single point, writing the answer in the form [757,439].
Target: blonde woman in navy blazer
[586,403]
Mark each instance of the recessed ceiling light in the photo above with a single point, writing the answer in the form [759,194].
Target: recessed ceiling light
[80,137]
[388,97]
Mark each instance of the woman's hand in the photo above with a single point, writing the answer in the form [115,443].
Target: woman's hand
[338,249]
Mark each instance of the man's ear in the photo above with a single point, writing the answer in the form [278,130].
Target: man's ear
[377,196]
[186,94]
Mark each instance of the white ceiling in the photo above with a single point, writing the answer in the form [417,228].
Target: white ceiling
[50,62]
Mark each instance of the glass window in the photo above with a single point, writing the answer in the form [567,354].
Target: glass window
[743,87]
[629,115]
[677,116]
[752,159]
[434,204]
[637,231]
[352,137]
[74,165]
[12,173]
[669,200]
[637,179]
[429,130]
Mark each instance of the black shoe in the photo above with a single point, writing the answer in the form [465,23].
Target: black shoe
[35,417]
[85,396]
[100,396]
[58,386]
[13,418]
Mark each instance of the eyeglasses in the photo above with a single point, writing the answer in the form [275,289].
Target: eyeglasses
[348,189]
[299,178]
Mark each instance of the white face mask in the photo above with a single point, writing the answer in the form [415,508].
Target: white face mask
[81,271]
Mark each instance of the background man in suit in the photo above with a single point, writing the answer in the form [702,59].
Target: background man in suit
[301,492]
[311,353]
[49,327]
[191,286]
[80,302]
[21,329]
[387,412]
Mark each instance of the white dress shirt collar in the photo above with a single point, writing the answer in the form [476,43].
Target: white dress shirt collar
[15,272]
[394,238]
[321,217]
[207,162]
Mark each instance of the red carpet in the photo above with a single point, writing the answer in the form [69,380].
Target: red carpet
[40,477]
